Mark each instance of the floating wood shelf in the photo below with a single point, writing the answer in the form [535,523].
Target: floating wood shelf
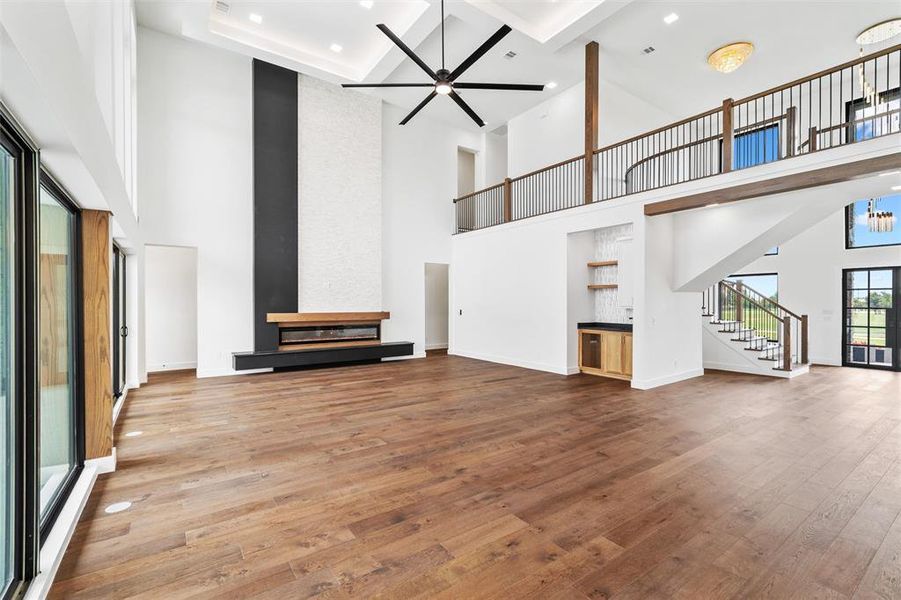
[603,263]
[602,286]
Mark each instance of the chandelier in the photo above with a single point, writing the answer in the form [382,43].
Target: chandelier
[879,221]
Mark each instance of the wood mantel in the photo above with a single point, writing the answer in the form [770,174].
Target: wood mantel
[327,317]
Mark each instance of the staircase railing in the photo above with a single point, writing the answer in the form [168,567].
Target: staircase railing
[848,103]
[762,323]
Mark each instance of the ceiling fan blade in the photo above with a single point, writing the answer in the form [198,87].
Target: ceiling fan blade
[397,41]
[472,114]
[386,85]
[480,51]
[522,87]
[419,107]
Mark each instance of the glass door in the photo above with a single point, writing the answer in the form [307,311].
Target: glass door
[120,326]
[8,416]
[871,327]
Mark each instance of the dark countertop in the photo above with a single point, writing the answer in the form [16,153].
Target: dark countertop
[608,326]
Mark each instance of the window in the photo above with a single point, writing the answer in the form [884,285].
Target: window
[58,365]
[756,147]
[765,284]
[871,121]
[774,251]
[871,331]
[863,231]
[8,415]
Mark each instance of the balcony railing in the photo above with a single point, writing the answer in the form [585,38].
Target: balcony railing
[858,100]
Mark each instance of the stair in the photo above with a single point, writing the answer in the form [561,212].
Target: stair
[735,343]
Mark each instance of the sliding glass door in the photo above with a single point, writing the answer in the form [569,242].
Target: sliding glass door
[8,416]
[120,325]
[58,365]
[872,329]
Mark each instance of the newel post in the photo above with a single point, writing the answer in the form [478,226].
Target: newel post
[787,343]
[728,135]
[508,200]
[804,357]
[812,140]
[592,63]
[739,305]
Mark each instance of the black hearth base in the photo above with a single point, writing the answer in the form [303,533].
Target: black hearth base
[278,359]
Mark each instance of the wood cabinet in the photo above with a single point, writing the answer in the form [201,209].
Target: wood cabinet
[606,353]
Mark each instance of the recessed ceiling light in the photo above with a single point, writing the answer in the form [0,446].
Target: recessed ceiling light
[366,3]
[896,188]
[133,433]
[879,32]
[117,507]
[255,18]
[714,204]
[551,85]
[670,18]
[889,173]
[730,57]
[336,48]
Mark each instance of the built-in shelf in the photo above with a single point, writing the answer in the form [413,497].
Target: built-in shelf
[602,286]
[603,263]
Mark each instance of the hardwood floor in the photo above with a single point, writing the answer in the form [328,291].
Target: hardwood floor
[454,478]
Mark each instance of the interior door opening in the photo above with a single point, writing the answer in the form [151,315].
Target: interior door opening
[436,307]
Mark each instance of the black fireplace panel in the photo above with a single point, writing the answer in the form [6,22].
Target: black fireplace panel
[313,334]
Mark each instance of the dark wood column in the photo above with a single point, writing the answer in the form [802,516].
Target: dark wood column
[591,114]
[274,198]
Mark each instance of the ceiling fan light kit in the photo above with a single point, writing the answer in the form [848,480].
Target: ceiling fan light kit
[444,82]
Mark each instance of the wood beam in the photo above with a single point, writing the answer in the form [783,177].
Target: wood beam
[98,376]
[592,65]
[779,185]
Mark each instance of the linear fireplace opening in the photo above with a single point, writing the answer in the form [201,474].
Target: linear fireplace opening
[317,334]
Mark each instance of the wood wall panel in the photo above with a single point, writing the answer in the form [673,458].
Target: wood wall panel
[98,384]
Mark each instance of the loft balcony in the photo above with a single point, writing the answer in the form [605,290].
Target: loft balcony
[846,104]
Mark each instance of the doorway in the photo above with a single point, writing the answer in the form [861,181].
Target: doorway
[120,324]
[466,172]
[436,307]
[170,284]
[872,331]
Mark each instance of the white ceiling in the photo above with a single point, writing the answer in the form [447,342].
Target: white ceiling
[792,38]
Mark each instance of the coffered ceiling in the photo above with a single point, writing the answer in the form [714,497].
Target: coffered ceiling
[792,38]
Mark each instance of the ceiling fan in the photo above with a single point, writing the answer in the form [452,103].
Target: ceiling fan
[445,82]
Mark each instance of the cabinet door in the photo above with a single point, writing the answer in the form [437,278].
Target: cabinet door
[627,355]
[612,359]
[590,350]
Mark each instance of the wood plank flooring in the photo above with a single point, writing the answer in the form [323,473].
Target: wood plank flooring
[454,478]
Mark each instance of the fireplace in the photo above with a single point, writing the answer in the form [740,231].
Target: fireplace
[319,334]
[302,331]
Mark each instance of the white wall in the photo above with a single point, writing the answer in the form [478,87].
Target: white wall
[810,280]
[339,199]
[419,182]
[495,158]
[436,305]
[194,178]
[466,172]
[555,129]
[171,307]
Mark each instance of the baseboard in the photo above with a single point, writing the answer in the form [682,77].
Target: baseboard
[513,362]
[572,370]
[409,357]
[826,362]
[647,384]
[54,547]
[117,407]
[104,464]
[176,366]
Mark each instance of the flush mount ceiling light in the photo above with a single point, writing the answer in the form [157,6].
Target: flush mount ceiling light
[444,81]
[550,85]
[366,3]
[336,48]
[879,32]
[670,18]
[730,57]
[255,18]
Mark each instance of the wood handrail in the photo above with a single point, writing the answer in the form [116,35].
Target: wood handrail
[776,304]
[850,63]
[852,123]
[659,130]
[751,300]
[477,192]
[548,168]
